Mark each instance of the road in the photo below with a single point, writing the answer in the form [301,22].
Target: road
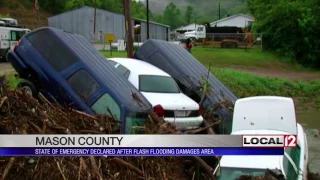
[5,68]
[276,72]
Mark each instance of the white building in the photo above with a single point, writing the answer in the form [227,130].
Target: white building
[238,20]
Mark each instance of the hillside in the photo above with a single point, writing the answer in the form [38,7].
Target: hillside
[205,10]
[161,11]
[25,16]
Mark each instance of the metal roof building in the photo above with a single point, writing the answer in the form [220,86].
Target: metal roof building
[238,20]
[81,21]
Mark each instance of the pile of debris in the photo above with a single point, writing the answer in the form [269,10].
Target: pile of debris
[22,114]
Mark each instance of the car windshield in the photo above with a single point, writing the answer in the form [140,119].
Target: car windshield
[228,173]
[157,84]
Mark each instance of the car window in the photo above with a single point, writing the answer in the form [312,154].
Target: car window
[52,49]
[157,84]
[135,122]
[289,169]
[106,105]
[83,83]
[123,71]
[294,153]
[113,62]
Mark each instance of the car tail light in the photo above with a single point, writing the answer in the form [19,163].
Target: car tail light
[17,44]
[158,110]
[199,110]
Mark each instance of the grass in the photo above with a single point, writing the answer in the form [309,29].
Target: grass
[12,80]
[114,53]
[244,85]
[218,57]
[305,93]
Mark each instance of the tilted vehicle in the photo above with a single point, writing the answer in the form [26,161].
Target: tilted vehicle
[162,92]
[67,69]
[189,73]
[266,115]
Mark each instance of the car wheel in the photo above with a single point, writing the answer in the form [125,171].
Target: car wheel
[28,87]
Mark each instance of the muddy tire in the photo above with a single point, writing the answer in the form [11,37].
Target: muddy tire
[28,87]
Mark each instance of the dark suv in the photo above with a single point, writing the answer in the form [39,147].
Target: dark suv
[67,69]
[189,74]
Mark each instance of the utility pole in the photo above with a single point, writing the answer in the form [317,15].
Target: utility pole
[219,10]
[128,25]
[94,20]
[147,19]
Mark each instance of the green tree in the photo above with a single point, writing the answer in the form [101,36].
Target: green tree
[189,14]
[289,28]
[138,10]
[171,16]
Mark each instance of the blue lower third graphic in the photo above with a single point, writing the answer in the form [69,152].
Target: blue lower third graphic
[138,151]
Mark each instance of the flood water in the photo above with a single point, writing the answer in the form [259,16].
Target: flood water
[311,123]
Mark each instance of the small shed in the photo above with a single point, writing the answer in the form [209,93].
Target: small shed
[238,20]
[81,21]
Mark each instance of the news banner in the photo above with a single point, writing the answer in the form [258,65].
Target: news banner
[144,145]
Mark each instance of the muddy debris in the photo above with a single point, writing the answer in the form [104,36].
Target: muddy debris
[22,114]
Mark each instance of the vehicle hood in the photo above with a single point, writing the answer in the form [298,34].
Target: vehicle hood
[190,33]
[171,101]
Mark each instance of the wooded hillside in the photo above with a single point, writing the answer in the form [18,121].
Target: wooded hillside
[175,14]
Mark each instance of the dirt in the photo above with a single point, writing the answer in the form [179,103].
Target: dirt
[5,68]
[278,73]
[26,16]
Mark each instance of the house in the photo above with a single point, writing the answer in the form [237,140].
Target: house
[238,20]
[81,21]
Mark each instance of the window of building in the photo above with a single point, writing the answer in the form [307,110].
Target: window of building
[83,84]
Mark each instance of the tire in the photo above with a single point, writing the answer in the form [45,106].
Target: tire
[29,87]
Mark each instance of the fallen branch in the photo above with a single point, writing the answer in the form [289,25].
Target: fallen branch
[205,166]
[61,172]
[95,167]
[7,169]
[4,99]
[127,165]
[195,131]
[85,114]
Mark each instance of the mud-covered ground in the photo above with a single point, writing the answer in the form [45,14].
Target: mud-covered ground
[5,68]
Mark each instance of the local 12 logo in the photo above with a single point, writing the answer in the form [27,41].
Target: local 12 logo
[269,141]
[290,140]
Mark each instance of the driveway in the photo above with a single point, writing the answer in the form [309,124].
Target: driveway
[5,68]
